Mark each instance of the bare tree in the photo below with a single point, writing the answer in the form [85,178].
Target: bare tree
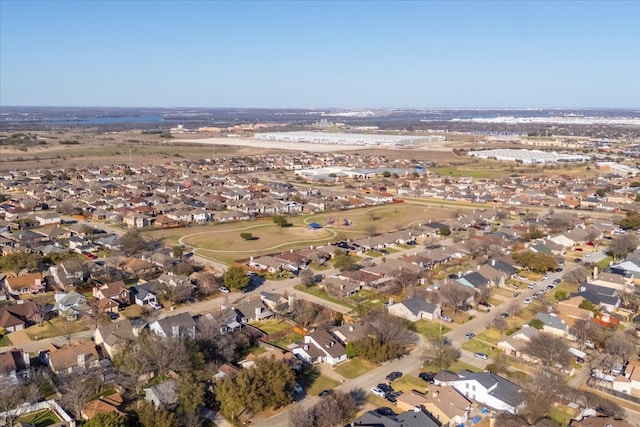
[76,390]
[551,350]
[306,278]
[440,351]
[206,284]
[500,323]
[620,246]
[178,293]
[301,417]
[620,345]
[585,329]
[540,391]
[406,278]
[577,274]
[454,294]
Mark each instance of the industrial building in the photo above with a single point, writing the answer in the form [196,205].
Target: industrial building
[339,138]
[528,156]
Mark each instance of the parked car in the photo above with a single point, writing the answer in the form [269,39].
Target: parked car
[469,335]
[392,397]
[394,376]
[385,411]
[483,356]
[515,294]
[528,300]
[155,305]
[386,388]
[324,393]
[465,307]
[557,281]
[113,315]
[298,388]
[426,376]
[588,344]
[223,289]
[505,315]
[484,304]
[444,317]
[531,286]
[377,392]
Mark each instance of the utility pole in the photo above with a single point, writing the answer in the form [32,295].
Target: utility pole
[130,159]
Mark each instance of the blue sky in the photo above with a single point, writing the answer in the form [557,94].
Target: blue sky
[320,54]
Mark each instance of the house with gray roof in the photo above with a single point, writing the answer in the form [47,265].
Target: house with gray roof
[320,346]
[553,324]
[252,311]
[404,419]
[179,325]
[163,395]
[601,296]
[490,390]
[414,309]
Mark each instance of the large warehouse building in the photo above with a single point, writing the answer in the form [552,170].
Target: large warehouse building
[339,138]
[528,156]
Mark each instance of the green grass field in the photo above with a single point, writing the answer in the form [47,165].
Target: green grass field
[409,382]
[272,326]
[428,329]
[222,242]
[355,367]
[313,290]
[56,327]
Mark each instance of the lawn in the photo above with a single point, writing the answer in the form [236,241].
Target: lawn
[409,382]
[477,346]
[214,240]
[313,290]
[272,326]
[284,341]
[41,418]
[56,327]
[315,384]
[490,335]
[505,291]
[562,414]
[430,329]
[5,341]
[134,311]
[355,367]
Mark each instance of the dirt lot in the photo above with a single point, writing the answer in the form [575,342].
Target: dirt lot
[91,148]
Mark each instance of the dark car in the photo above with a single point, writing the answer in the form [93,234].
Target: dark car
[394,376]
[426,376]
[385,411]
[557,281]
[324,393]
[113,315]
[391,397]
[485,304]
[386,388]
[465,307]
[505,315]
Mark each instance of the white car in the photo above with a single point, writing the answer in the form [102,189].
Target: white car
[155,305]
[223,289]
[377,392]
[528,300]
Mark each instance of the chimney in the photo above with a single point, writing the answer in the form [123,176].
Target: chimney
[351,328]
[306,347]
[82,360]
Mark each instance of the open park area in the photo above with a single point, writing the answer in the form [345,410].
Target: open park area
[223,242]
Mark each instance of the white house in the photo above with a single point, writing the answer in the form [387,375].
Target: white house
[491,390]
[321,346]
[414,309]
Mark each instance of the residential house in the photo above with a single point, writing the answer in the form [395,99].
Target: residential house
[15,366]
[350,332]
[274,353]
[103,405]
[629,383]
[117,336]
[474,280]
[69,273]
[404,419]
[274,302]
[491,390]
[163,395]
[146,293]
[414,309]
[569,310]
[553,324]
[602,297]
[320,346]
[444,403]
[73,358]
[71,305]
[225,370]
[111,296]
[515,345]
[252,311]
[15,317]
[179,325]
[45,218]
[29,283]
[225,320]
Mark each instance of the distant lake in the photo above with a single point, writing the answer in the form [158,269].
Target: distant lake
[108,120]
